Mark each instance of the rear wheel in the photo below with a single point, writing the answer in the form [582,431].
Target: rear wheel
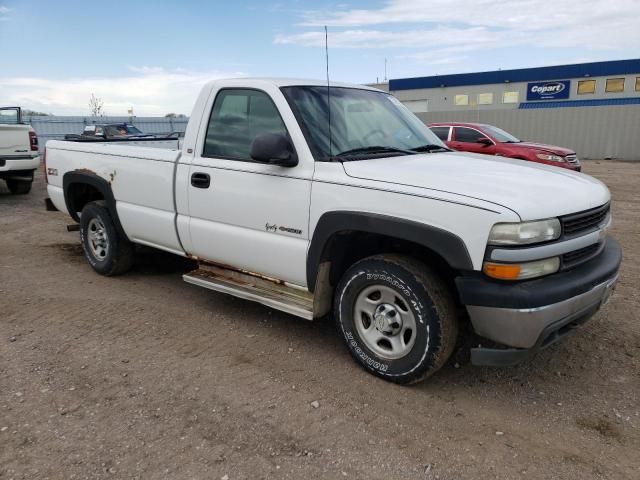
[106,250]
[19,187]
[398,318]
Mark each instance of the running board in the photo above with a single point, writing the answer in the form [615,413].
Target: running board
[272,293]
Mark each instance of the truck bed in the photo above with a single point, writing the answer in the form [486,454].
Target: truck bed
[144,176]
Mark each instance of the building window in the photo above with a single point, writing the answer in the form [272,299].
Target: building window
[485,98]
[586,86]
[614,85]
[417,106]
[637,84]
[510,97]
[461,100]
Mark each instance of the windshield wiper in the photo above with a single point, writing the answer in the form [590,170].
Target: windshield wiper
[373,150]
[431,147]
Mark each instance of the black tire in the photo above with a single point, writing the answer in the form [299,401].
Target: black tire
[113,257]
[420,294]
[19,187]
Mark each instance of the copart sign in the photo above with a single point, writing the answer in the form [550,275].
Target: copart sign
[553,90]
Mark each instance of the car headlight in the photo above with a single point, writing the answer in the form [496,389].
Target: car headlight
[525,233]
[549,158]
[521,271]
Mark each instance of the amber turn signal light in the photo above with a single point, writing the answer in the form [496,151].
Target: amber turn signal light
[501,271]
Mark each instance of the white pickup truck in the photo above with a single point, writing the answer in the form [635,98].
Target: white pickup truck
[314,200]
[19,155]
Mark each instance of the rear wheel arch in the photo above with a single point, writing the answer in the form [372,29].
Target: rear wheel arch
[82,187]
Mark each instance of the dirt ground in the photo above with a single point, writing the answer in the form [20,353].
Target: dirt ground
[144,376]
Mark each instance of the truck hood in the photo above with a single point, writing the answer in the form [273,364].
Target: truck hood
[561,151]
[532,190]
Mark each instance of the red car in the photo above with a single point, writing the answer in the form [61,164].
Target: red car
[490,140]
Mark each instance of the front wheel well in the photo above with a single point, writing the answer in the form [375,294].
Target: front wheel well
[348,247]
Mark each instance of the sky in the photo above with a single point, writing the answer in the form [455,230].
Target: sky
[154,56]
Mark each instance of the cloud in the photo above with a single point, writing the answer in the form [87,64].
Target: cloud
[4,12]
[405,39]
[523,14]
[432,24]
[149,90]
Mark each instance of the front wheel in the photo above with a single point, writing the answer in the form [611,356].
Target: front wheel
[398,318]
[106,250]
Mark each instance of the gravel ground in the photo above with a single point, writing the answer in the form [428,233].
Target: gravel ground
[144,376]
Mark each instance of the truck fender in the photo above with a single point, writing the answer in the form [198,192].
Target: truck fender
[446,244]
[87,177]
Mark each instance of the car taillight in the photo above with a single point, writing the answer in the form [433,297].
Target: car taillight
[33,141]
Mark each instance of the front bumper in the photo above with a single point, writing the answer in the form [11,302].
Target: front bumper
[531,315]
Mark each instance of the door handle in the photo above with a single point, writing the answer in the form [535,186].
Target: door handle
[200,180]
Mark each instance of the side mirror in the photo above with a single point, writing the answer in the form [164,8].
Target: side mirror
[274,149]
[484,141]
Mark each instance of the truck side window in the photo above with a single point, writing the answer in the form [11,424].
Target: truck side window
[237,117]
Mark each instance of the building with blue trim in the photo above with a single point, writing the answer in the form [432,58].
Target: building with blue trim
[593,108]
[613,83]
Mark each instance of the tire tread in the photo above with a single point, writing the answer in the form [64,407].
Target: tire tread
[443,302]
[122,250]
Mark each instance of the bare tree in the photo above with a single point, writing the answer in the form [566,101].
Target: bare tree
[95,106]
[34,113]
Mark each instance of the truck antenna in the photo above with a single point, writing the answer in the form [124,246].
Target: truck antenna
[326,52]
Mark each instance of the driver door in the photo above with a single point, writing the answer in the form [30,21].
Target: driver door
[249,215]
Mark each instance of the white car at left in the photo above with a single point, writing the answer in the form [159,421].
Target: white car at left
[19,156]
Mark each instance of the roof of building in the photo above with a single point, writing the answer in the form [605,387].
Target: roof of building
[557,72]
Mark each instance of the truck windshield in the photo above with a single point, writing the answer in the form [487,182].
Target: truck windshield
[364,123]
[131,130]
[121,130]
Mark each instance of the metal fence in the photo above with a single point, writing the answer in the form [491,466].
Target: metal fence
[593,132]
[56,127]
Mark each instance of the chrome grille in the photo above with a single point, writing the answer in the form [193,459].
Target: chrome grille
[571,158]
[577,223]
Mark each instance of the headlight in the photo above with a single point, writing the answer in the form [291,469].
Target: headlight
[525,232]
[549,158]
[521,271]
